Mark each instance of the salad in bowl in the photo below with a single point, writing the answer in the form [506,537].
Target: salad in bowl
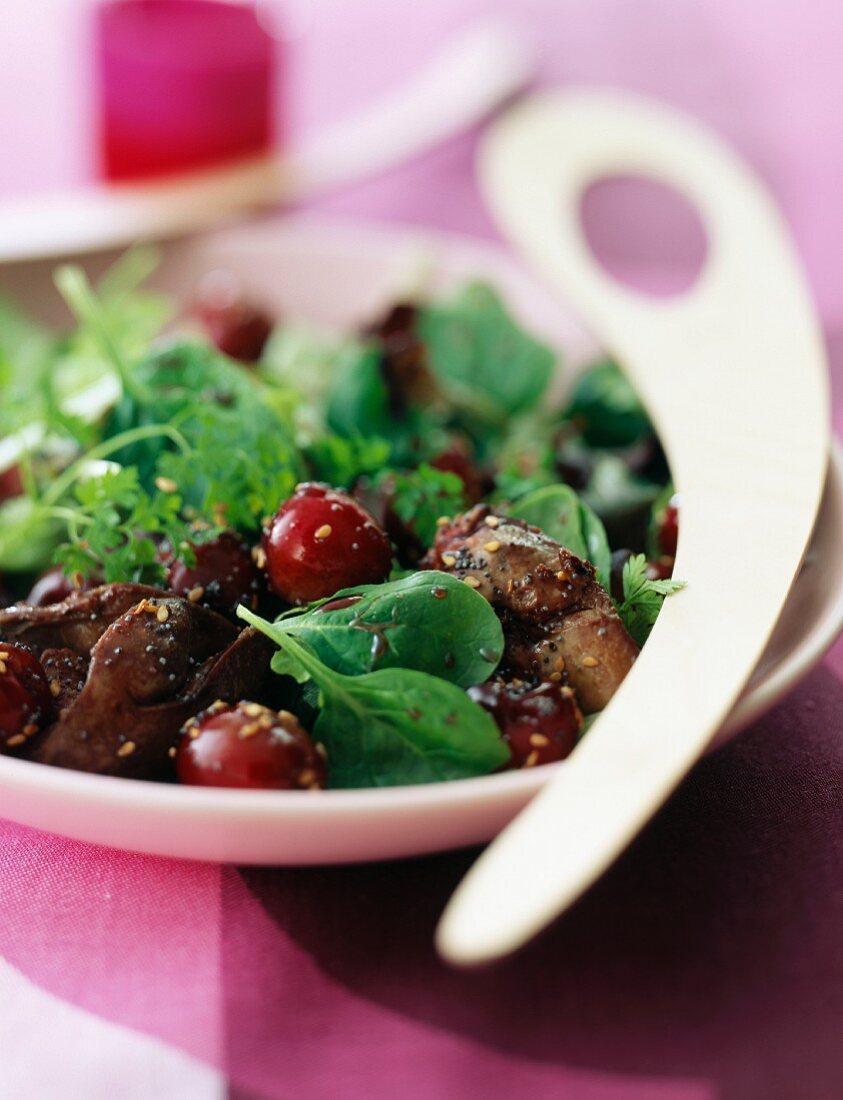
[239,553]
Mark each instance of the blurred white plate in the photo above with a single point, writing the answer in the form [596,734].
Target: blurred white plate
[338,274]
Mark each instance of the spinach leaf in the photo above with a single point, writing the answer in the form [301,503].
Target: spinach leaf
[428,621]
[484,362]
[560,513]
[359,405]
[606,407]
[392,727]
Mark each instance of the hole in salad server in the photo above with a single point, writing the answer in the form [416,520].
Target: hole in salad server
[645,234]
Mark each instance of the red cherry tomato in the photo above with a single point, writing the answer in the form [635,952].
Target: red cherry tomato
[54,586]
[237,328]
[457,459]
[540,724]
[248,745]
[321,540]
[223,576]
[10,483]
[668,534]
[25,700]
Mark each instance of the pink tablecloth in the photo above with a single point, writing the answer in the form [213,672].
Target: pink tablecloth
[707,963]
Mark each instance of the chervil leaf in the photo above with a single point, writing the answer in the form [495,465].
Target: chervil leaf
[643,598]
[419,497]
[340,461]
[111,525]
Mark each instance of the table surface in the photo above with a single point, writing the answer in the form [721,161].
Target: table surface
[706,963]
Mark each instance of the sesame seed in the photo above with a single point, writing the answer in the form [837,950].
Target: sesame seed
[193,732]
[590,662]
[449,560]
[249,730]
[320,748]
[555,677]
[253,710]
[29,729]
[493,521]
[196,594]
[561,576]
[18,739]
[559,664]
[55,689]
[538,740]
[166,484]
[323,532]
[286,716]
[307,778]
[162,614]
[4,656]
[532,759]
[259,557]
[172,753]
[443,521]
[492,547]
[472,582]
[3,668]
[127,748]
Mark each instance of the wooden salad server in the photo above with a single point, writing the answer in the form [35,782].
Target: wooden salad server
[733,375]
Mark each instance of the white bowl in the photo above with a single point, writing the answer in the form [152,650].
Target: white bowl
[338,274]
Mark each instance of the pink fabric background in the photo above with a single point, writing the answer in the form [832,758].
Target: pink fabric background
[707,962]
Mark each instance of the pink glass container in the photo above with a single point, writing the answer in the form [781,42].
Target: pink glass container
[183,84]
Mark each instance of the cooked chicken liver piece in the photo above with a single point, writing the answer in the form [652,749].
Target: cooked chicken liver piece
[152,669]
[66,674]
[78,622]
[557,618]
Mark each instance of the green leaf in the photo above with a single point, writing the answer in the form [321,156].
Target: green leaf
[393,727]
[428,621]
[111,525]
[642,598]
[485,363]
[27,536]
[606,407]
[358,406]
[340,461]
[419,497]
[560,513]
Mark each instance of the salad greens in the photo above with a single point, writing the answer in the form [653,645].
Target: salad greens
[488,367]
[420,497]
[643,598]
[391,727]
[607,408]
[560,513]
[428,621]
[125,440]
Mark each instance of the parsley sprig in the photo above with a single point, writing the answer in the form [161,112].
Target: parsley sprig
[111,527]
[419,497]
[642,598]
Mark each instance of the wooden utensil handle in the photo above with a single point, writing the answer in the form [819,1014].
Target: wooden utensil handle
[733,376]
